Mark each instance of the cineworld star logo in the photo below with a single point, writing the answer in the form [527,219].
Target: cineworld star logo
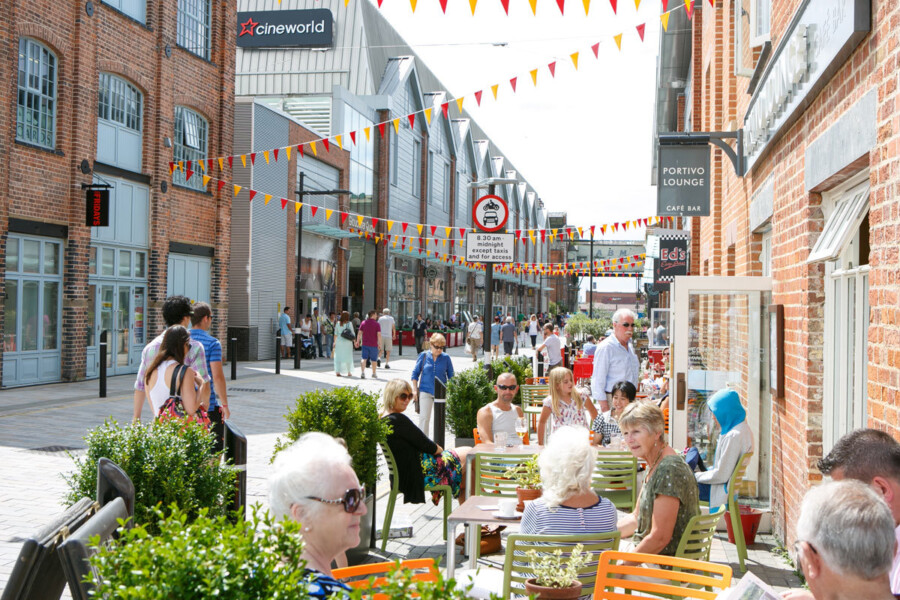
[247,28]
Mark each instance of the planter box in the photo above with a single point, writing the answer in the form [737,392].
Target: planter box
[408,338]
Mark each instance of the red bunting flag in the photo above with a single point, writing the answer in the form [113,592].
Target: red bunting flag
[505,4]
[379,3]
[221,184]
[230,159]
[326,143]
[512,82]
[665,4]
[275,152]
[592,230]
[353,137]
[444,108]
[344,217]
[444,6]
[404,226]
[312,210]
[381,129]
[210,162]
[374,222]
[188,173]
[552,67]
[561,5]
[252,194]
[187,165]
[253,158]
[300,149]
[433,229]
[478,97]
[640,30]
[613,2]
[596,49]
[284,202]
[171,168]
[412,120]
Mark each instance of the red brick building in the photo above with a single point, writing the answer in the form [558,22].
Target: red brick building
[813,87]
[108,93]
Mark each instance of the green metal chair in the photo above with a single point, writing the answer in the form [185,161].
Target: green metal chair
[517,568]
[445,491]
[490,478]
[533,401]
[615,478]
[696,541]
[734,510]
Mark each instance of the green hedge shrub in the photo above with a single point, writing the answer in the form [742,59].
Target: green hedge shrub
[168,462]
[467,392]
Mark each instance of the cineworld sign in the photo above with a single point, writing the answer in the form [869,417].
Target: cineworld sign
[285,28]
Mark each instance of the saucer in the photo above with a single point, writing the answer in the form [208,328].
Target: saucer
[496,514]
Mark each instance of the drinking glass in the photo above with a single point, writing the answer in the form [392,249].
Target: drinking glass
[521,430]
[500,441]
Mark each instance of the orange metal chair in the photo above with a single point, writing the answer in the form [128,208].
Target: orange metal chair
[372,576]
[688,579]
[477,437]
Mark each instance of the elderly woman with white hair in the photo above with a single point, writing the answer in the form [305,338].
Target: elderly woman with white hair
[314,484]
[568,505]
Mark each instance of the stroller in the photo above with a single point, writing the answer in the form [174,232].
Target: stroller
[307,348]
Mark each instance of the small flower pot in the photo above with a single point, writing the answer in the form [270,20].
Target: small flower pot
[553,593]
[524,494]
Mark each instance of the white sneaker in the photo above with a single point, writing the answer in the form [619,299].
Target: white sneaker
[362,375]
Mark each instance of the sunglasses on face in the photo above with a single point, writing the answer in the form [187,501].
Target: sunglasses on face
[506,387]
[404,396]
[626,325]
[351,500]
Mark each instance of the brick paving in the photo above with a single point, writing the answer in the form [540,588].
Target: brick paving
[39,424]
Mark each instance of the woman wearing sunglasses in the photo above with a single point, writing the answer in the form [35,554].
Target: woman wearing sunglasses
[313,483]
[420,461]
[430,365]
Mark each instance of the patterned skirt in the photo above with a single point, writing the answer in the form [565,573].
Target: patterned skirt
[445,469]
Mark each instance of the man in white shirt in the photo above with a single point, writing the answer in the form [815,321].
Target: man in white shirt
[615,360]
[388,329]
[872,457]
[553,345]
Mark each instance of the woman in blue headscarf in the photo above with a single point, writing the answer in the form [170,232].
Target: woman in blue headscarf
[735,439]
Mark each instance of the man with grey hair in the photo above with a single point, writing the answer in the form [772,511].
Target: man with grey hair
[615,360]
[388,331]
[845,543]
[508,336]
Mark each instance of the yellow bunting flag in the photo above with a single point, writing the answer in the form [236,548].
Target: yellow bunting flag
[297,207]
[665,21]
[337,138]
[533,4]
[587,6]
[390,225]
[396,123]
[359,220]
[244,160]
[206,179]
[534,76]
[328,212]
[413,4]
[618,39]
[419,227]
[494,89]
[367,131]
[202,165]
[287,151]
[428,115]
[637,4]
[580,232]
[472,4]
[312,146]
[221,164]
[395,242]
[459,103]
[237,190]
[181,166]
[447,232]
[574,57]
[267,197]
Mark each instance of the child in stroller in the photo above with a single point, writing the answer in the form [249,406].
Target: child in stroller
[307,348]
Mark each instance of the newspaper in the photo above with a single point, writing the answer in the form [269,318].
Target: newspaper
[750,587]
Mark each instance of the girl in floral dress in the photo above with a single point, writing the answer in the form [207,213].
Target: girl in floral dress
[564,406]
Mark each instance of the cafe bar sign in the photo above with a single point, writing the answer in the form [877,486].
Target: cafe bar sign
[683,184]
[312,28]
[818,40]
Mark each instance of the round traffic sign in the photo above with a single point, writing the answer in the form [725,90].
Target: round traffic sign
[490,213]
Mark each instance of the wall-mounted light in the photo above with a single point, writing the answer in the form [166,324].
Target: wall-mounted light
[167,142]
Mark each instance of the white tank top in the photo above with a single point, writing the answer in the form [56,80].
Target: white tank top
[504,420]
[159,393]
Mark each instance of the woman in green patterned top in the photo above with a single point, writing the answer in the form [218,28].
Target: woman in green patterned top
[669,497]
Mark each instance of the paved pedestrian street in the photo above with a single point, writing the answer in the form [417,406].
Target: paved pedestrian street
[40,425]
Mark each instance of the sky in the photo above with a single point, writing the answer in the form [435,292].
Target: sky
[581,138]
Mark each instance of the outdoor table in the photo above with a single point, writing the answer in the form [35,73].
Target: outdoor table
[469,512]
[491,448]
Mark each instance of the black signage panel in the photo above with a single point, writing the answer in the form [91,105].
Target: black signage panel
[96,208]
[672,258]
[312,28]
[683,181]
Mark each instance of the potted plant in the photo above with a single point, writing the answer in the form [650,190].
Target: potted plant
[168,462]
[555,575]
[351,414]
[528,480]
[467,392]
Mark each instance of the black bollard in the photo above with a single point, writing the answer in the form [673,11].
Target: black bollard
[103,350]
[296,351]
[236,456]
[400,342]
[440,407]
[278,355]
[232,356]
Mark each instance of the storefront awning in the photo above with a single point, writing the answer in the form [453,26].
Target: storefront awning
[328,231]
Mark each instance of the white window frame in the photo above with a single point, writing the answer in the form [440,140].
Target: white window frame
[765,253]
[136,9]
[448,174]
[36,118]
[194,26]
[844,406]
[395,158]
[757,36]
[191,143]
[416,167]
[119,114]
[850,208]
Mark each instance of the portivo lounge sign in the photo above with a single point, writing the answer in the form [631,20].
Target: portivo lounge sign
[683,183]
[285,28]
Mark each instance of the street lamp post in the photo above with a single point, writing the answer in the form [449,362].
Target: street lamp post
[591,288]
[301,194]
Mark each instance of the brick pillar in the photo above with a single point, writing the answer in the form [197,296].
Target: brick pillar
[382,210]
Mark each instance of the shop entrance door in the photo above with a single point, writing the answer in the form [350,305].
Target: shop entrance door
[721,339]
[121,314]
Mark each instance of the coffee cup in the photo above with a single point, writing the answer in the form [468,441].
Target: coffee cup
[507,507]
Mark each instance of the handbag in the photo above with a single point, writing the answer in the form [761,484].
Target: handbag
[347,333]
[490,539]
[173,407]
